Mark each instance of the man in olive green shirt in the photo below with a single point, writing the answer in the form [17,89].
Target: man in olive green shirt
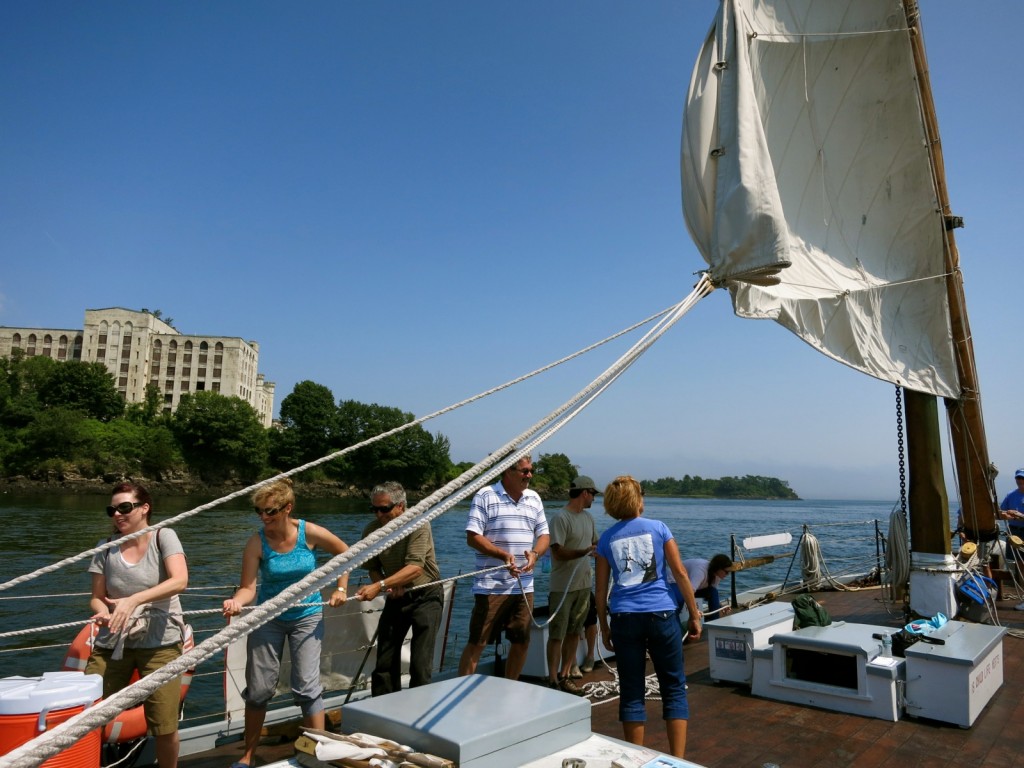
[573,536]
[409,563]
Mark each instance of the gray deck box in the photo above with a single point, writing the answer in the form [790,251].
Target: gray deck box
[476,721]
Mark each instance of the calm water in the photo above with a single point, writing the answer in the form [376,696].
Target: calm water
[39,530]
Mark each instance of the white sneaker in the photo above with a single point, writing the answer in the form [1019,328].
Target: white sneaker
[1019,607]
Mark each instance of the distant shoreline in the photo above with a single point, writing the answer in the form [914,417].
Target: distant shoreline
[189,487]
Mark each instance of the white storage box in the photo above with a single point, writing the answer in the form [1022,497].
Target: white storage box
[837,667]
[953,682]
[733,638]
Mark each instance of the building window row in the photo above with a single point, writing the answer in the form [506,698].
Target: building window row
[111,343]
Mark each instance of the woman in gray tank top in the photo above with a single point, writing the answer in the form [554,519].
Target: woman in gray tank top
[135,590]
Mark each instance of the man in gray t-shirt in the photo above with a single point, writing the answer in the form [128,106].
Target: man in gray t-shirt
[573,536]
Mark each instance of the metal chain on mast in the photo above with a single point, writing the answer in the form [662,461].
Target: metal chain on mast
[901,451]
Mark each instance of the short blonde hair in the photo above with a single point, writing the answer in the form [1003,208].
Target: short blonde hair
[623,497]
[276,495]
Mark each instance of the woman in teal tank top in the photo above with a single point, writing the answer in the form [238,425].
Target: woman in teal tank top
[281,554]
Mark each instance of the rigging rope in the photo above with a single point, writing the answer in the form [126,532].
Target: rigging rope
[332,456]
[87,594]
[815,572]
[67,733]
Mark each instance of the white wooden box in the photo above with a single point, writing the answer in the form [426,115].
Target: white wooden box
[954,682]
[733,638]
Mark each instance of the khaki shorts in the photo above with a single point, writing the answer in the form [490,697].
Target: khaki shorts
[569,619]
[164,704]
[493,613]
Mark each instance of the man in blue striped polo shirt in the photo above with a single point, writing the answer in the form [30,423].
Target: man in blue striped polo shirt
[506,526]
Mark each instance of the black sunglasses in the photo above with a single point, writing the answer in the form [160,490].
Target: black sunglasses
[384,509]
[124,507]
[526,471]
[268,512]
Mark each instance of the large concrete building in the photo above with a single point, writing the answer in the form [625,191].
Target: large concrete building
[139,348]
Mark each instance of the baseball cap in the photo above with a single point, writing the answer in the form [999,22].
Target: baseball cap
[587,484]
[1019,473]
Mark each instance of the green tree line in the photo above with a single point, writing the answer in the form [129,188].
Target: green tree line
[747,487]
[68,418]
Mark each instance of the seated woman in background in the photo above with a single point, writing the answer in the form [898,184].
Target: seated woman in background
[633,556]
[281,553]
[135,601]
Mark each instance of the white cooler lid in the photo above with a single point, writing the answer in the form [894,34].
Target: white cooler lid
[54,690]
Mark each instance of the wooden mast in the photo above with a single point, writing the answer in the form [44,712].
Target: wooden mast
[967,429]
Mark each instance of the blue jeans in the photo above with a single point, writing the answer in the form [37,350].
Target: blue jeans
[635,635]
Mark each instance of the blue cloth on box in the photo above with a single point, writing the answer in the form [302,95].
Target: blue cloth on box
[927,626]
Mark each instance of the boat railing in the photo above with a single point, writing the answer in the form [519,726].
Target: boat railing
[839,555]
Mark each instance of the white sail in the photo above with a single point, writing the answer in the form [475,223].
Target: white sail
[808,188]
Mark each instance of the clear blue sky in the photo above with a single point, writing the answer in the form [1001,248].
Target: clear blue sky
[412,202]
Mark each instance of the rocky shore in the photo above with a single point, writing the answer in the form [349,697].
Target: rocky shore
[183,485]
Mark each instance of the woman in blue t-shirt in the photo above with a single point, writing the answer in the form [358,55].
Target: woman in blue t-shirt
[281,553]
[635,553]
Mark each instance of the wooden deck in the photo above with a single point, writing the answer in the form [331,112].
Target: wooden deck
[730,728]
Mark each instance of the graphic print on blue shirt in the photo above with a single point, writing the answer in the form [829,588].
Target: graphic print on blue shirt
[635,559]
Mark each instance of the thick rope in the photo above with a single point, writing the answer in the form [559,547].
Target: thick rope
[316,462]
[67,733]
[810,556]
[897,557]
[565,594]
[815,572]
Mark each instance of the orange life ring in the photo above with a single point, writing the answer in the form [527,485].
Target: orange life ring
[130,724]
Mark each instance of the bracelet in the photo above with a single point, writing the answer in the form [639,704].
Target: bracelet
[383,586]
